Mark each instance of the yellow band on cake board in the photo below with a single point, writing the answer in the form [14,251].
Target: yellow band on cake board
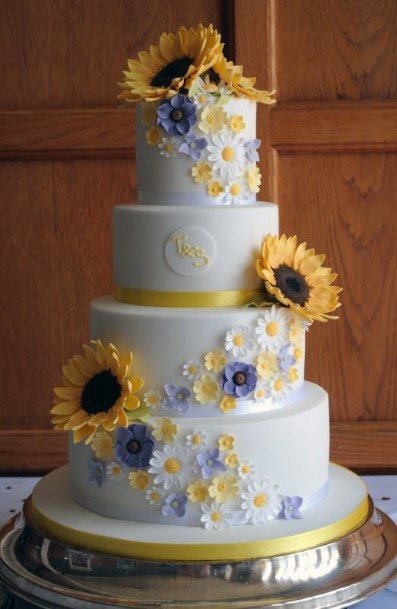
[158,298]
[204,552]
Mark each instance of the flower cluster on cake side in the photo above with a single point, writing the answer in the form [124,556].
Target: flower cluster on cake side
[183,475]
[184,86]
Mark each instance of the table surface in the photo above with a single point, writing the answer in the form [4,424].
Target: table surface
[383,490]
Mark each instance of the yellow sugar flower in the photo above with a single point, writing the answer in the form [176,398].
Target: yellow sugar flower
[298,352]
[154,135]
[238,84]
[295,276]
[164,430]
[266,365]
[215,360]
[139,480]
[214,188]
[206,389]
[236,123]
[98,390]
[228,403]
[232,461]
[148,113]
[254,178]
[296,331]
[226,442]
[198,491]
[201,172]
[174,64]
[223,487]
[102,445]
[213,118]
[293,374]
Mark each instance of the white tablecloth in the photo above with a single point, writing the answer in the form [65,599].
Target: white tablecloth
[383,490]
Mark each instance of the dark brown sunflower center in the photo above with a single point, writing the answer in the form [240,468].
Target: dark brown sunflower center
[100,393]
[292,284]
[174,69]
[213,76]
[133,447]
[239,378]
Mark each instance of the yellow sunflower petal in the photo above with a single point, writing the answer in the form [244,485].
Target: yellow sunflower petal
[76,420]
[68,393]
[132,402]
[65,408]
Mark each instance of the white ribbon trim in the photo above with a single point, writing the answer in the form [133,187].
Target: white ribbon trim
[190,199]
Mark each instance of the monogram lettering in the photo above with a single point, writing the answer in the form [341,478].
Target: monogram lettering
[184,249]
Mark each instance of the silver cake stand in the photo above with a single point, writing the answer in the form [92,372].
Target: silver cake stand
[37,571]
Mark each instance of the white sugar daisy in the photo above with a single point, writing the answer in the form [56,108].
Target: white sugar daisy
[114,470]
[227,153]
[261,393]
[215,516]
[155,496]
[196,440]
[169,146]
[261,502]
[246,470]
[280,387]
[152,399]
[172,467]
[272,328]
[234,193]
[239,341]
[191,370]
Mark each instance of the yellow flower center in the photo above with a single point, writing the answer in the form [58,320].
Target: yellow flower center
[272,328]
[196,440]
[222,487]
[260,393]
[201,98]
[154,496]
[293,374]
[298,353]
[238,340]
[235,190]
[201,494]
[210,119]
[206,389]
[227,154]
[216,516]
[260,500]
[172,466]
[168,147]
[152,399]
[245,469]
[167,429]
[278,384]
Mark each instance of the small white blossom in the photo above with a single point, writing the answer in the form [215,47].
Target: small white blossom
[239,341]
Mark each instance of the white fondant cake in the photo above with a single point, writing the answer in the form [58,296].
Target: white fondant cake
[190,408]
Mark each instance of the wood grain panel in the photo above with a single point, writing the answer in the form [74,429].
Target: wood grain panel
[342,205]
[336,49]
[67,134]
[56,242]
[363,446]
[71,53]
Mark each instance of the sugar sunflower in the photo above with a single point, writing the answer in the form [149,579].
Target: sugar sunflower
[171,66]
[295,276]
[98,390]
[232,76]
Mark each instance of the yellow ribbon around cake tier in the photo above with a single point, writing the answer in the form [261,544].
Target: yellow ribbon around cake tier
[155,298]
[203,552]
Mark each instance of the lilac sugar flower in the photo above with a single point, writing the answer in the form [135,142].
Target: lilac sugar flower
[239,379]
[175,505]
[285,359]
[177,397]
[290,508]
[210,463]
[96,472]
[134,446]
[193,146]
[177,115]
[251,148]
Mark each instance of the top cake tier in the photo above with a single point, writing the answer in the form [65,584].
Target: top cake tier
[199,149]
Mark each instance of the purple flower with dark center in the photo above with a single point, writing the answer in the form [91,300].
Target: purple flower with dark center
[290,508]
[210,463]
[251,148]
[175,505]
[134,446]
[177,115]
[96,472]
[239,379]
[193,146]
[177,397]
[285,359]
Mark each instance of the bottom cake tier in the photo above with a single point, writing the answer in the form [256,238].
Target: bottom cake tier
[56,513]
[209,471]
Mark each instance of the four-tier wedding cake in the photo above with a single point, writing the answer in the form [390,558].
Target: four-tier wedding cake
[193,432]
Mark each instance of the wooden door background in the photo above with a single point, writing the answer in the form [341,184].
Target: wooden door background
[67,157]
